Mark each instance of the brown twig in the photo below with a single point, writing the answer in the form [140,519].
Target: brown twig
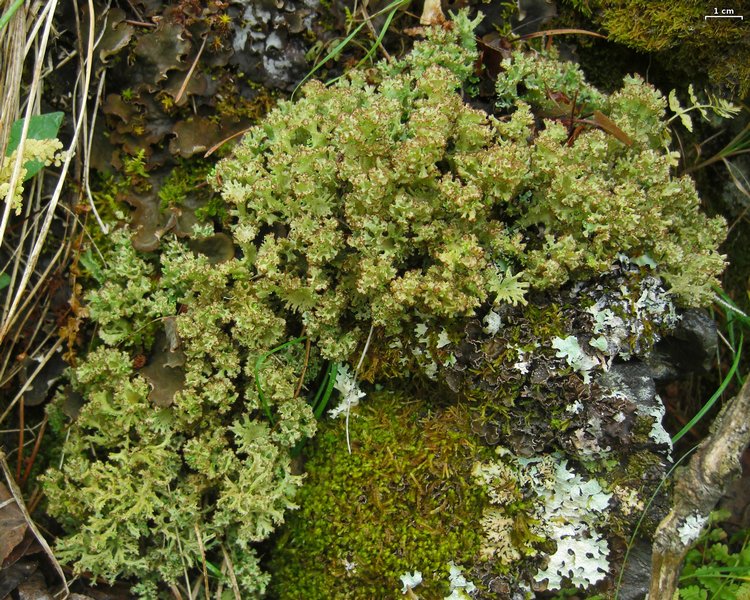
[21,427]
[698,487]
[203,559]
[304,369]
[34,452]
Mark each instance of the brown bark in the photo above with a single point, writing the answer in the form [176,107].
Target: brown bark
[698,487]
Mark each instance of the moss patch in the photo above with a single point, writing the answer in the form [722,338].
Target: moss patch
[403,500]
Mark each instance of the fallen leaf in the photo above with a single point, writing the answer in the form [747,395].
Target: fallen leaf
[12,524]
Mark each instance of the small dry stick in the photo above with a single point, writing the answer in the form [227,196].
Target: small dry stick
[21,427]
[698,487]
[203,558]
[304,369]
[184,85]
[35,451]
[232,576]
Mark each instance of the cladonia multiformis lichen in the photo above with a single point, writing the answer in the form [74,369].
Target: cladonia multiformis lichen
[386,203]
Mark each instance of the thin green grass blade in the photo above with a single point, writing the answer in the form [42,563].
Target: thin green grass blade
[8,15]
[378,40]
[259,365]
[322,385]
[729,305]
[716,395]
[214,570]
[643,516]
[338,48]
[320,407]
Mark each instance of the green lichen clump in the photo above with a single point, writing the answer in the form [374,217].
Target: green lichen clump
[165,452]
[369,204]
[386,199]
[403,500]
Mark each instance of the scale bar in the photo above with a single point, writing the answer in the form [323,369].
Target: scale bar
[741,17]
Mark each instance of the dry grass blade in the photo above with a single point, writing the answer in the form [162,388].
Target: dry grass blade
[31,102]
[13,487]
[12,38]
[52,206]
[33,17]
[29,291]
[203,559]
[185,82]
[232,576]
[563,31]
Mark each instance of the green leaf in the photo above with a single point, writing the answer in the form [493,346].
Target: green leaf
[674,103]
[41,127]
[4,280]
[687,122]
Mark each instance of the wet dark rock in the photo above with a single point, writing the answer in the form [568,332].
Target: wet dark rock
[268,42]
[12,576]
[690,348]
[635,381]
[636,573]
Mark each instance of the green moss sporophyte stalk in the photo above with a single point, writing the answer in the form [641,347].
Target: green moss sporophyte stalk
[384,201]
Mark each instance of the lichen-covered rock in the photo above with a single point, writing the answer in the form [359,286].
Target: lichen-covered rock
[576,453]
